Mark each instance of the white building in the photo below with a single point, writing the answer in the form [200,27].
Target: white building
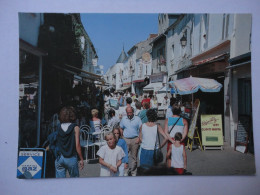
[215,46]
[114,75]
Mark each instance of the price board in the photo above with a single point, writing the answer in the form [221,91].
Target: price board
[211,130]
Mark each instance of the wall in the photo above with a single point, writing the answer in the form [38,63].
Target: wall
[242,33]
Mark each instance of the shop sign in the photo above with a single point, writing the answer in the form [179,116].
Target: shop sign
[211,130]
[30,163]
[156,78]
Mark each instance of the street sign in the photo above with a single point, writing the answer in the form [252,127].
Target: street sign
[30,163]
[211,130]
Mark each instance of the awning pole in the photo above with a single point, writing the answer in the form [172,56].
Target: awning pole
[192,102]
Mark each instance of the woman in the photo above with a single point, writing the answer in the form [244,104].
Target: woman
[180,125]
[121,142]
[142,113]
[154,103]
[95,122]
[68,143]
[148,136]
[113,121]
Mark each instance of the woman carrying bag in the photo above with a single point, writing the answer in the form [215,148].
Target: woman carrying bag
[149,133]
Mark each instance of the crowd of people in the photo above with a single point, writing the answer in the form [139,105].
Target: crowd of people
[134,135]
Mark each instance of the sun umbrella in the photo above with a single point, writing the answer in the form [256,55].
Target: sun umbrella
[191,85]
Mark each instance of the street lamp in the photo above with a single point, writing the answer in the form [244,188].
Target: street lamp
[183,41]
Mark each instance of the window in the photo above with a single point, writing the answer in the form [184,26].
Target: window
[227,24]
[172,51]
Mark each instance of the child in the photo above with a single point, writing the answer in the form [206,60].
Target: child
[121,142]
[110,156]
[178,154]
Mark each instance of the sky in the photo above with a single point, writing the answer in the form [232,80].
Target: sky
[110,32]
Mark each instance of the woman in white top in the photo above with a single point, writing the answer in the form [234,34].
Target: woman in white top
[148,136]
[95,123]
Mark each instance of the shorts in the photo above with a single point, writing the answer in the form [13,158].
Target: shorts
[180,171]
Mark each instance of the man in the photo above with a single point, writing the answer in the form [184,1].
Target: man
[122,111]
[129,127]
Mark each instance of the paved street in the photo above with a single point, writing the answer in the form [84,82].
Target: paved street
[209,162]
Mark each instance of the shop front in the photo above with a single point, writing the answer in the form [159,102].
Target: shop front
[212,64]
[241,96]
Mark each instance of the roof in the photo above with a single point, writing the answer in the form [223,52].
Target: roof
[122,57]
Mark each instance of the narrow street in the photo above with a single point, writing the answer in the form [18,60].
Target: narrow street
[208,162]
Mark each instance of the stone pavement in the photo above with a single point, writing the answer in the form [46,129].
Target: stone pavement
[208,162]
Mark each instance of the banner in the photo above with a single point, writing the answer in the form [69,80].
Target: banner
[211,130]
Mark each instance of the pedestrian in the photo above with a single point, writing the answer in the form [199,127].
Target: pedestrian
[110,156]
[175,124]
[165,103]
[154,103]
[129,127]
[95,122]
[122,111]
[114,120]
[169,109]
[148,134]
[121,99]
[145,100]
[178,154]
[138,107]
[121,142]
[68,143]
[142,113]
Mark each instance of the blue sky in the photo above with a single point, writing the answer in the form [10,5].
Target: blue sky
[109,32]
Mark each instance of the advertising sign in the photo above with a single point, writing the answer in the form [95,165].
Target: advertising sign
[211,130]
[30,164]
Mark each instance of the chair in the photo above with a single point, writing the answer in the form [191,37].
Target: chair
[101,140]
[86,140]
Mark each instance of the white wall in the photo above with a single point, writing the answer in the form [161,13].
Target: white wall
[215,29]
[241,37]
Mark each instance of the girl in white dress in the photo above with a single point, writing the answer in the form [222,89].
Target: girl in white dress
[110,156]
[178,154]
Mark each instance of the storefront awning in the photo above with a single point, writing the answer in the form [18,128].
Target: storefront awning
[211,59]
[153,87]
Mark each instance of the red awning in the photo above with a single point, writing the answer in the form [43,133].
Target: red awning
[138,81]
[208,59]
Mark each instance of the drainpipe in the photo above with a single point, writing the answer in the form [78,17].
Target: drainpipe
[39,103]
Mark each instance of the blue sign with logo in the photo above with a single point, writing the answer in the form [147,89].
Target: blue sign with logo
[30,164]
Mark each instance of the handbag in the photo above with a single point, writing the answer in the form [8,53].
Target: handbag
[157,155]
